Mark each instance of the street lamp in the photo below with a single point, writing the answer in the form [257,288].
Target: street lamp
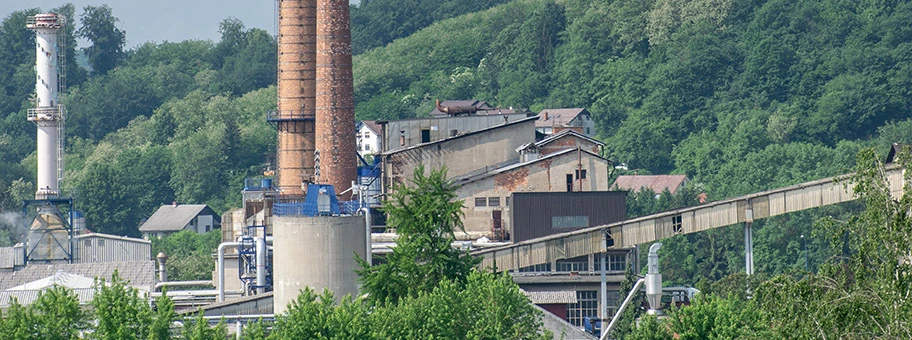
[805,252]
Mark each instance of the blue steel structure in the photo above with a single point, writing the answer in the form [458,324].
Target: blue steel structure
[247,259]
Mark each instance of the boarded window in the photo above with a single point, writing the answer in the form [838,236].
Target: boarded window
[480,201]
[569,221]
[493,201]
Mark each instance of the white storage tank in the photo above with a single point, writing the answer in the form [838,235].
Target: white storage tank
[317,252]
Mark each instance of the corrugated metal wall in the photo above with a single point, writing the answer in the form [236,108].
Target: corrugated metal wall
[652,228]
[94,249]
[533,211]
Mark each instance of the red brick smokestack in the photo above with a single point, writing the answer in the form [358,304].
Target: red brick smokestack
[296,87]
[335,107]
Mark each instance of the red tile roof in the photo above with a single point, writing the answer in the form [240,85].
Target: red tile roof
[657,183]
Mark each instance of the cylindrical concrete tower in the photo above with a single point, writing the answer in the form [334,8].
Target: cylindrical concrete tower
[316,252]
[335,111]
[49,113]
[296,82]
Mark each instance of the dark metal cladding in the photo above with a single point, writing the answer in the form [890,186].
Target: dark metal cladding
[538,214]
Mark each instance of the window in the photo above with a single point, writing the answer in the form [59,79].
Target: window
[538,268]
[101,242]
[367,147]
[493,201]
[573,265]
[569,221]
[88,243]
[508,201]
[581,173]
[616,262]
[366,135]
[587,131]
[676,223]
[586,306]
[480,201]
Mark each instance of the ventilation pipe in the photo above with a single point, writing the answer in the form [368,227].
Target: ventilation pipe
[221,267]
[653,283]
[162,273]
[260,264]
[367,226]
[653,280]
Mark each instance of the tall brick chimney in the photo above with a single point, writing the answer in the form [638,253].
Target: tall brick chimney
[296,89]
[335,107]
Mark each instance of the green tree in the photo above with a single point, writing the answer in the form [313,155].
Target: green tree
[121,311]
[163,317]
[198,329]
[18,322]
[189,253]
[313,316]
[425,214]
[99,26]
[57,315]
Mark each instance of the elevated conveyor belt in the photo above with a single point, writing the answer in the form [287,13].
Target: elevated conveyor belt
[655,227]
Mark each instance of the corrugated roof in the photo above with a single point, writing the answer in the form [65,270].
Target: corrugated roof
[657,183]
[60,278]
[418,146]
[557,117]
[112,237]
[140,274]
[171,217]
[566,133]
[551,296]
[27,297]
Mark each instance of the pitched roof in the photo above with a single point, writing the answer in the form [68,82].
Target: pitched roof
[480,105]
[473,178]
[895,150]
[172,218]
[417,146]
[60,278]
[657,183]
[566,133]
[140,274]
[557,117]
[373,126]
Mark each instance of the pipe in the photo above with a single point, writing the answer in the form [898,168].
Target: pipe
[367,226]
[182,284]
[620,311]
[221,268]
[260,264]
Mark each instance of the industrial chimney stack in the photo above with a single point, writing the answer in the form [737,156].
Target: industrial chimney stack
[48,114]
[296,87]
[316,109]
[335,114]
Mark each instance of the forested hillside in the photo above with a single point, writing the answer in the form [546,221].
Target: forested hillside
[740,95]
[172,121]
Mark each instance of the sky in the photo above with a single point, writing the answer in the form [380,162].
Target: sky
[166,20]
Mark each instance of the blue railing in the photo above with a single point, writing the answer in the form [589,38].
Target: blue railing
[305,209]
